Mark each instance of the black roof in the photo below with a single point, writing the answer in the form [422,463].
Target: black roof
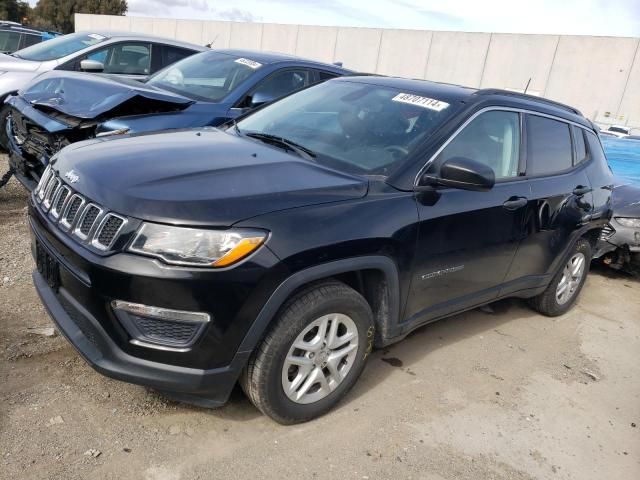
[454,93]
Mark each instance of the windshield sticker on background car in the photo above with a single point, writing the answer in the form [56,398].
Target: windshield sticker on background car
[96,36]
[419,101]
[249,63]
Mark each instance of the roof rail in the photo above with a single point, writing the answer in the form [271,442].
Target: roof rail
[553,103]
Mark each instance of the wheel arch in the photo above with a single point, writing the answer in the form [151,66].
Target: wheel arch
[375,277]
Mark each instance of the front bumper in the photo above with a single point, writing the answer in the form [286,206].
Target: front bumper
[80,304]
[210,388]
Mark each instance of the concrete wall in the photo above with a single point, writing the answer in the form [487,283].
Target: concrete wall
[598,75]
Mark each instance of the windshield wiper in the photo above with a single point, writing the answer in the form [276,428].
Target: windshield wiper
[236,128]
[303,152]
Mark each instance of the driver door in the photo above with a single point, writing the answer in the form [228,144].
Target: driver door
[467,240]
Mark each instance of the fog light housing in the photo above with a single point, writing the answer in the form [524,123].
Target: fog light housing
[160,328]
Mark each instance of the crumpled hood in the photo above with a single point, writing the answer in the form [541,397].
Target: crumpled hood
[626,201]
[14,64]
[88,96]
[199,177]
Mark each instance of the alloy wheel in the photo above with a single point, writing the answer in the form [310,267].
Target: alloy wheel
[320,358]
[571,278]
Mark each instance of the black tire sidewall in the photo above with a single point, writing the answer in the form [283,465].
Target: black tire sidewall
[4,113]
[360,313]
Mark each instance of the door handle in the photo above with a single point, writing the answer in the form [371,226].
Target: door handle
[581,190]
[514,203]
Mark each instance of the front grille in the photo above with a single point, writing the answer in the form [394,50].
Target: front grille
[58,201]
[72,210]
[165,331]
[80,320]
[88,219]
[110,227]
[84,220]
[607,232]
[35,141]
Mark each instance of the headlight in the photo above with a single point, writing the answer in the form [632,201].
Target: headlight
[196,247]
[628,222]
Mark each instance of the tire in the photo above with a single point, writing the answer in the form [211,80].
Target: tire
[550,302]
[265,377]
[4,141]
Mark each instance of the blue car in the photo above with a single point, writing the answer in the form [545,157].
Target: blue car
[208,89]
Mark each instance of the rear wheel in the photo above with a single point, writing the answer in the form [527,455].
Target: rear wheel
[313,354]
[565,287]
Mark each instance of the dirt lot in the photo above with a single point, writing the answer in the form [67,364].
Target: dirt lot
[502,395]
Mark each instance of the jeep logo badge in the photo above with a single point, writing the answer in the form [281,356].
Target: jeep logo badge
[72,176]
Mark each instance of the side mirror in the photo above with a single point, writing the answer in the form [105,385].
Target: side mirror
[259,98]
[93,66]
[462,173]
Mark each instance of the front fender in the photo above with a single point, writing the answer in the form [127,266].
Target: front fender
[318,272]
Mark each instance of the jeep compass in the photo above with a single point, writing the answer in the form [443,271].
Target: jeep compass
[278,252]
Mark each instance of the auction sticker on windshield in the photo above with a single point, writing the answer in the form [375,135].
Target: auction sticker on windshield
[249,63]
[96,36]
[424,102]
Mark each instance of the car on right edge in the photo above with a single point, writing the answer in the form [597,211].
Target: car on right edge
[280,251]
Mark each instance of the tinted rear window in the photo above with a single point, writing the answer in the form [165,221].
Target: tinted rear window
[548,146]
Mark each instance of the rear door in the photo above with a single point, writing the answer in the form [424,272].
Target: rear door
[467,240]
[561,192]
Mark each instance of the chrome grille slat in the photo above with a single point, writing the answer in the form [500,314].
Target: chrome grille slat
[87,220]
[84,220]
[76,202]
[52,187]
[39,193]
[107,232]
[58,201]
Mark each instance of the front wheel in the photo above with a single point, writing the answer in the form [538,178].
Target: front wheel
[4,116]
[565,287]
[313,354]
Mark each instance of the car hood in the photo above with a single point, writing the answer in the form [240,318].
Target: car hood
[199,177]
[14,64]
[626,201]
[88,96]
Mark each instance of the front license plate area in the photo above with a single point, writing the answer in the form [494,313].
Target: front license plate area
[48,266]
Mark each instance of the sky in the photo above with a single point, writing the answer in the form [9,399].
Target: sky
[582,17]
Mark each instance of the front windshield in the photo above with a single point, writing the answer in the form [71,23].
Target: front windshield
[207,76]
[59,47]
[352,126]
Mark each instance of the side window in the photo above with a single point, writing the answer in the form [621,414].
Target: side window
[29,39]
[595,148]
[322,75]
[124,58]
[581,148]
[492,138]
[173,54]
[9,41]
[280,84]
[548,146]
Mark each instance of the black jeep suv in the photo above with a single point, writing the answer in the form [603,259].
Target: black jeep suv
[278,252]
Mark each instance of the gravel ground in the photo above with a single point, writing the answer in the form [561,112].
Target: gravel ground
[501,395]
